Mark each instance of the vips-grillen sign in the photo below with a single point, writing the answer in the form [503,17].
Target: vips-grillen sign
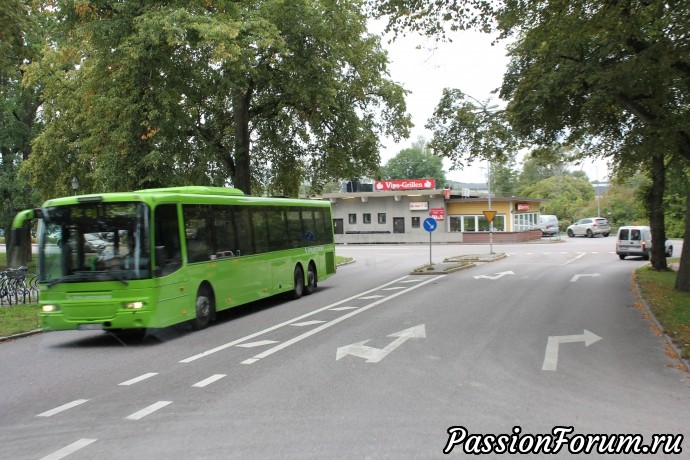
[404,184]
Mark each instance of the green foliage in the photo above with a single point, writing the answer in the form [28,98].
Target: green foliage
[262,94]
[415,163]
[466,130]
[567,196]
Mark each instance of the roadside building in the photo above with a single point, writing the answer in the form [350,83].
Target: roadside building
[395,210]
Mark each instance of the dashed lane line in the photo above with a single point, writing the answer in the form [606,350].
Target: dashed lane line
[148,410]
[208,381]
[138,379]
[62,408]
[67,450]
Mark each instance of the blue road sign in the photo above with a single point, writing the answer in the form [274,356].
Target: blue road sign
[430,224]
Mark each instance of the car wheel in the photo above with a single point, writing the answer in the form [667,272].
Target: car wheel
[621,256]
[669,251]
[606,234]
[590,234]
[570,233]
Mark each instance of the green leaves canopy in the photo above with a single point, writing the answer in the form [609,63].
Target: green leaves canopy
[261,94]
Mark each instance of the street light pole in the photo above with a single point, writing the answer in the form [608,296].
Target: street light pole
[491,222]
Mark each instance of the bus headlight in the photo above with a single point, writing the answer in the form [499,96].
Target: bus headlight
[134,305]
[50,308]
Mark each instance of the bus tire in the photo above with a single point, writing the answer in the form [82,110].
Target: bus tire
[298,288]
[311,279]
[204,309]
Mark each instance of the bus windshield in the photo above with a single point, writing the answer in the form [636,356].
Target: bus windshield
[94,242]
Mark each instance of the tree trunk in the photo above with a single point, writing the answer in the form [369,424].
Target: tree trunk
[240,107]
[655,201]
[683,277]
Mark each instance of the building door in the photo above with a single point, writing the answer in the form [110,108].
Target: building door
[338,226]
[398,225]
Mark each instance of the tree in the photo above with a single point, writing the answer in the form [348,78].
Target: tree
[415,163]
[143,94]
[612,78]
[21,39]
[466,130]
[566,195]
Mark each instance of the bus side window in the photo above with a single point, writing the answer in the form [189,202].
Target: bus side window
[167,240]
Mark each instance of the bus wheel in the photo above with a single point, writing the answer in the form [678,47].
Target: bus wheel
[311,279]
[204,309]
[298,290]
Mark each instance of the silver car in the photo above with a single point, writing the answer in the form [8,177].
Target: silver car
[589,227]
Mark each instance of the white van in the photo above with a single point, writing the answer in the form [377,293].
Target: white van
[636,240]
[548,224]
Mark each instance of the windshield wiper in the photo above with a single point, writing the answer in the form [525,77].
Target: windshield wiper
[74,277]
[90,276]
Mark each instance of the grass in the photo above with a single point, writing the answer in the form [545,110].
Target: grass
[18,318]
[670,307]
[15,319]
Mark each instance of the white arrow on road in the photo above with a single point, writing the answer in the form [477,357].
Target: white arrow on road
[577,277]
[374,355]
[551,356]
[498,275]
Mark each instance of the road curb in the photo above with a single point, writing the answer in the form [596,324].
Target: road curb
[20,335]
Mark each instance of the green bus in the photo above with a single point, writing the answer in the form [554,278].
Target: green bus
[158,257]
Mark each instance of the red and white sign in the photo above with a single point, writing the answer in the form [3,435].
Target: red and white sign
[404,184]
[522,207]
[437,213]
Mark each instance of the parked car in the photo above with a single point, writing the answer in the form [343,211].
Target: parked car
[548,224]
[636,240]
[589,227]
[93,243]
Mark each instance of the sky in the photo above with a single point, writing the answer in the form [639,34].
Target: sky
[469,63]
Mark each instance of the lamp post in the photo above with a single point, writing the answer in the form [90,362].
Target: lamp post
[75,184]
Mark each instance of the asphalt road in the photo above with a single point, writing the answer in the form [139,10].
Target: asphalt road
[375,364]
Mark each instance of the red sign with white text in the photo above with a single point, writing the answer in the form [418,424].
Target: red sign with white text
[404,184]
[437,213]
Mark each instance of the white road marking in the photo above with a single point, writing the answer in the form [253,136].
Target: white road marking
[67,450]
[209,380]
[278,326]
[582,254]
[260,343]
[64,407]
[369,297]
[336,321]
[307,323]
[148,410]
[396,288]
[138,379]
[553,344]
[343,308]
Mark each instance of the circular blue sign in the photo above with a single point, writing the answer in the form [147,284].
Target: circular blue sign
[430,224]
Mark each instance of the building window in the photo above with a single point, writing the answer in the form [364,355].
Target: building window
[476,223]
[415,222]
[526,221]
[382,218]
[366,218]
[352,218]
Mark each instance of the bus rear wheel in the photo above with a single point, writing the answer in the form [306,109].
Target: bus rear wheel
[298,289]
[204,309]
[311,279]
